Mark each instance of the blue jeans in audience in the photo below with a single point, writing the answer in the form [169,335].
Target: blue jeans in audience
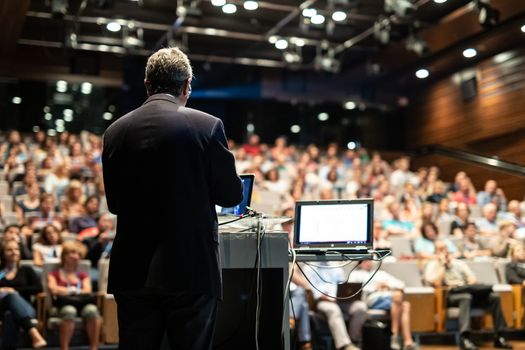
[17,312]
[300,311]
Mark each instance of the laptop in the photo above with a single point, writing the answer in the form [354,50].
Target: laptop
[239,209]
[334,226]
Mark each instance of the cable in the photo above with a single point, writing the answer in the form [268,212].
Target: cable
[380,259]
[249,213]
[259,233]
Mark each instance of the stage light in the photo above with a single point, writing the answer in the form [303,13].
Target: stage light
[417,45]
[523,28]
[107,116]
[250,127]
[86,88]
[291,56]
[295,129]
[61,86]
[440,1]
[422,73]
[59,122]
[469,53]
[113,27]
[309,12]
[351,145]
[350,105]
[59,8]
[299,42]
[339,16]
[273,39]
[51,132]
[281,44]
[16,100]
[318,19]
[402,8]
[68,113]
[112,108]
[251,5]
[488,16]
[68,118]
[323,116]
[60,128]
[48,116]
[382,31]
[46,109]
[218,3]
[229,8]
[36,128]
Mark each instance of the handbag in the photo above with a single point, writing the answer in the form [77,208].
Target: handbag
[78,301]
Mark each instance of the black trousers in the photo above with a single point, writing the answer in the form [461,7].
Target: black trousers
[144,316]
[465,302]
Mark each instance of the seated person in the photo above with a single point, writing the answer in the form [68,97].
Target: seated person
[385,292]
[501,244]
[68,281]
[48,248]
[90,217]
[446,270]
[470,246]
[424,245]
[13,233]
[325,277]
[47,214]
[29,204]
[488,225]
[17,285]
[515,270]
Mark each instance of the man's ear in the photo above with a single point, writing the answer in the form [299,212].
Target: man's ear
[147,85]
[186,89]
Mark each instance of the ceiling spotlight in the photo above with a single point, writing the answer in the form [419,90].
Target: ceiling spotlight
[281,44]
[36,128]
[47,109]
[295,129]
[107,116]
[402,8]
[17,100]
[299,42]
[60,128]
[417,45]
[339,16]
[113,27]
[251,5]
[68,118]
[48,116]
[469,53]
[309,12]
[317,19]
[291,56]
[351,145]
[323,116]
[488,16]
[229,8]
[350,105]
[61,86]
[67,113]
[218,3]
[440,1]
[250,127]
[382,31]
[523,28]
[86,88]
[52,132]
[422,73]
[273,39]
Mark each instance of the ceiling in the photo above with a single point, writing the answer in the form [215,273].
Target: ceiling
[45,41]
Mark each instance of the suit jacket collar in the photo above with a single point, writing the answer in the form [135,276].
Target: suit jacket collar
[163,97]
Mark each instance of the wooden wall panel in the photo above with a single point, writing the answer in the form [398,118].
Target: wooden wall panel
[492,123]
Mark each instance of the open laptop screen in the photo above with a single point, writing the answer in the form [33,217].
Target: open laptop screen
[247,187]
[343,224]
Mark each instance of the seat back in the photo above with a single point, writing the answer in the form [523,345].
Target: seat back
[501,264]
[485,271]
[401,246]
[406,271]
[103,272]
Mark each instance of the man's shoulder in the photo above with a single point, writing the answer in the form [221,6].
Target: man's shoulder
[200,115]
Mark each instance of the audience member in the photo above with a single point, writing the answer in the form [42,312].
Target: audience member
[48,248]
[13,233]
[17,285]
[492,194]
[72,294]
[488,224]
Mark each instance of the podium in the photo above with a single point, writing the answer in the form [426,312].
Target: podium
[235,325]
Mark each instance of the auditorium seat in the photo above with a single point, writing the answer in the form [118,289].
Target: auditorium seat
[401,246]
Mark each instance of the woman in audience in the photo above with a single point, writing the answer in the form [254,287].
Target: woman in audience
[30,204]
[466,193]
[68,281]
[461,219]
[49,247]
[14,233]
[57,181]
[17,285]
[73,204]
[424,245]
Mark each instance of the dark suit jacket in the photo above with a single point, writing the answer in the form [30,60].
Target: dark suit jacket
[165,168]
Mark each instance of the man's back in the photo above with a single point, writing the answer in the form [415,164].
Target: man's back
[165,168]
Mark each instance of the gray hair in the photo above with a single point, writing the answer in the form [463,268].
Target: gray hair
[167,70]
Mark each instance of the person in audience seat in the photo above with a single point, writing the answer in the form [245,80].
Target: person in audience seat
[13,233]
[17,285]
[488,224]
[48,248]
[492,194]
[385,292]
[68,281]
[470,246]
[424,245]
[515,270]
[446,270]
